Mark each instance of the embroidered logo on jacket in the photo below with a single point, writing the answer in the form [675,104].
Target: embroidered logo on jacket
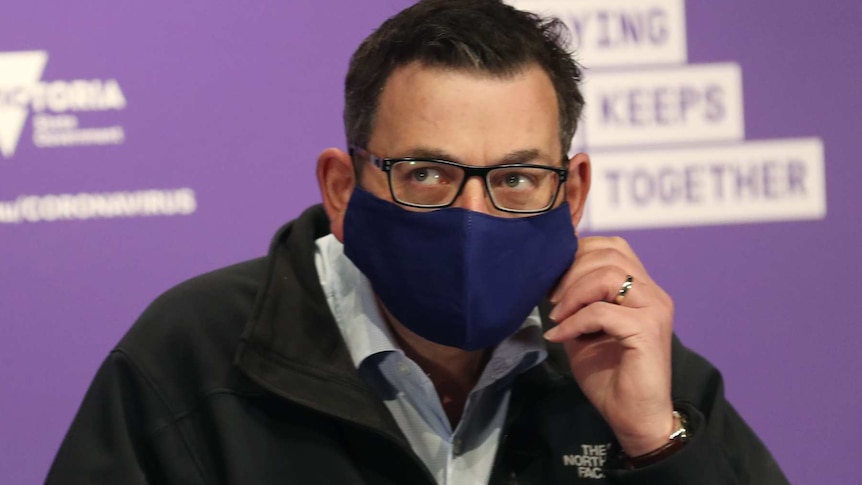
[590,462]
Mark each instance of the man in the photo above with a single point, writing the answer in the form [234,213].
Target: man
[393,336]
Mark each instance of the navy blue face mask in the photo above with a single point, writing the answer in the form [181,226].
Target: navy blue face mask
[454,276]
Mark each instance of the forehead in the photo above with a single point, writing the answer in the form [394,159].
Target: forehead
[473,115]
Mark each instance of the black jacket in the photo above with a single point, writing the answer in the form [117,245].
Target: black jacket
[240,376]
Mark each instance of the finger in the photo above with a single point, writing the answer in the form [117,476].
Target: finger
[613,242]
[590,263]
[589,260]
[619,322]
[611,250]
[601,284]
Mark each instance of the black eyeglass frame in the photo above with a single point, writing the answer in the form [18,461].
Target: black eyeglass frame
[470,171]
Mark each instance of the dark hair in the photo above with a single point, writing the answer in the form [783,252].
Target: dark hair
[486,36]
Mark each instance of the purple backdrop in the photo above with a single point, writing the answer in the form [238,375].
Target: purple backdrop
[232,102]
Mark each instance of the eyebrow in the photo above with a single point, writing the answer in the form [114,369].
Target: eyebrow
[517,156]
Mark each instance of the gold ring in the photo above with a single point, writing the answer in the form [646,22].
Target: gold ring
[624,289]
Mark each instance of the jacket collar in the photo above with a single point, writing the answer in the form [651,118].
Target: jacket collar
[291,344]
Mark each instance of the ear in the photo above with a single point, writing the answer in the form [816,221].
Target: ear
[578,185]
[336,178]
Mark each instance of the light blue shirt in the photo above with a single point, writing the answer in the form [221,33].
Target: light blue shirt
[464,455]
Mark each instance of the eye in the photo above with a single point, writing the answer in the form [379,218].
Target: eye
[426,176]
[514,180]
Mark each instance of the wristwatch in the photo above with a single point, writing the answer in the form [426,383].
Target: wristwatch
[675,442]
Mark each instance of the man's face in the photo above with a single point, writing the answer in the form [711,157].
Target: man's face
[465,117]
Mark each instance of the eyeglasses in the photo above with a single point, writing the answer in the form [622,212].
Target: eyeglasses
[429,183]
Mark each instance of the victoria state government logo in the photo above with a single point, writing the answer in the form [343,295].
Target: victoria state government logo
[55,105]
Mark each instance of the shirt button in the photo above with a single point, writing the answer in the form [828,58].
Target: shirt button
[404,368]
[457,446]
